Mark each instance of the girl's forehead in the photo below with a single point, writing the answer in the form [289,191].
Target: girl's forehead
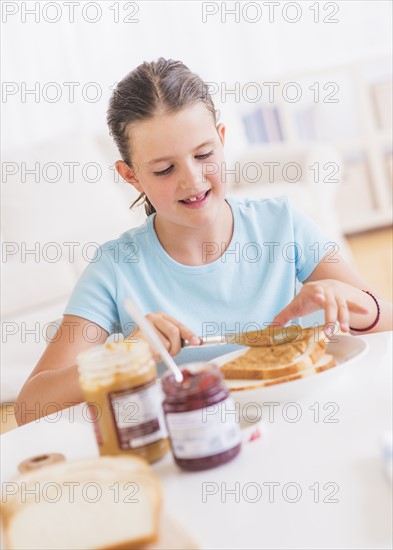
[165,131]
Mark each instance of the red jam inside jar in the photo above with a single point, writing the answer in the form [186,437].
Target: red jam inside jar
[200,417]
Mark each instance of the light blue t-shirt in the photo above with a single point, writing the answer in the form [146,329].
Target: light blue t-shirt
[272,245]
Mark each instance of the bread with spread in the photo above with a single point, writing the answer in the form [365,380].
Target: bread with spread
[274,364]
[326,362]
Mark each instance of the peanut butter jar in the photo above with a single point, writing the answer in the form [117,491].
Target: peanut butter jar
[119,382]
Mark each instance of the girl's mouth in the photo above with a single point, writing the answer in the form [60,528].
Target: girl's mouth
[196,201]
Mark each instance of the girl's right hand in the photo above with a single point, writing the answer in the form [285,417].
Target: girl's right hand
[170,331]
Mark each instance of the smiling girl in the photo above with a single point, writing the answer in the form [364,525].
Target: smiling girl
[194,263]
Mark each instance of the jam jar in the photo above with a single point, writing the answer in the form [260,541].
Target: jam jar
[119,383]
[200,417]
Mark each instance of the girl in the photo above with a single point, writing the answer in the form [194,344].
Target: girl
[201,262]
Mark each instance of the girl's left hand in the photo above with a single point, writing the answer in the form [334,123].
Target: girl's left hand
[336,298]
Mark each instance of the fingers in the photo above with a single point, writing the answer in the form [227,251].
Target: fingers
[304,303]
[337,308]
[314,296]
[356,308]
[343,314]
[331,310]
[171,331]
[185,332]
[284,316]
[165,330]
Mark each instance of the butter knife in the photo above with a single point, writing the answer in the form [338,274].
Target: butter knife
[265,337]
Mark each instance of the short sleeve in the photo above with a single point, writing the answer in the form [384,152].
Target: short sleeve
[311,243]
[94,296]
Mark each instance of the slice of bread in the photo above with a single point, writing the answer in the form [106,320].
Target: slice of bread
[277,361]
[325,362]
[108,503]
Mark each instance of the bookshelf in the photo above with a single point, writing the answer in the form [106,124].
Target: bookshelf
[349,107]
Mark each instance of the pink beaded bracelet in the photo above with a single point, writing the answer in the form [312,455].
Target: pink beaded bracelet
[376,319]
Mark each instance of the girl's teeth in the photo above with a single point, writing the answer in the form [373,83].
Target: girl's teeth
[197,198]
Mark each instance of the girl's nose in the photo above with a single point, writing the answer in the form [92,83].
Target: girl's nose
[190,177]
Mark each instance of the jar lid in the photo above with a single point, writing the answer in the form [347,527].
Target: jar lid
[114,354]
[198,377]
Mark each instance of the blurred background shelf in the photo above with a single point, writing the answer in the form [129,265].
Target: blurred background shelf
[349,107]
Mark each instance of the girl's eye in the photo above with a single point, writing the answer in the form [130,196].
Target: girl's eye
[164,172]
[170,168]
[205,156]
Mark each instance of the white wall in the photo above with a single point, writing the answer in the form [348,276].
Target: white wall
[219,49]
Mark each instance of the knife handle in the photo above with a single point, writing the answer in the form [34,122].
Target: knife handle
[217,340]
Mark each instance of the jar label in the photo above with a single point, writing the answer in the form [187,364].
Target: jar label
[204,432]
[92,415]
[138,416]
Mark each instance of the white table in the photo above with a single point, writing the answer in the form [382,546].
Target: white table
[345,454]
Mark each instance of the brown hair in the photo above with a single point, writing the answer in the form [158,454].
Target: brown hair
[162,85]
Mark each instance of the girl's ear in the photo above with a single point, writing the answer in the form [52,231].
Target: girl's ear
[128,174]
[221,133]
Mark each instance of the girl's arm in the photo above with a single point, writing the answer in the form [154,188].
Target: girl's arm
[338,289]
[53,385]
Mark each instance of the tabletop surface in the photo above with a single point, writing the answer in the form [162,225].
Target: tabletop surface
[318,482]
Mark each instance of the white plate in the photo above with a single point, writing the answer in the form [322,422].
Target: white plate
[346,350]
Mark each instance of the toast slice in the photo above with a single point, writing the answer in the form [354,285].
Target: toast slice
[268,362]
[109,503]
[325,362]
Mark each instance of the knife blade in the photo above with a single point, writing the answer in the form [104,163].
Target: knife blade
[265,337]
